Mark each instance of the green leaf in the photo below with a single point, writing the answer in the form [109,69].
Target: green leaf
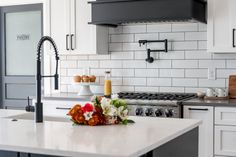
[130,121]
[125,122]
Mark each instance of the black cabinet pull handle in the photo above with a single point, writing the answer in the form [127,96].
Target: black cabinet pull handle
[234,37]
[198,109]
[63,108]
[67,47]
[71,44]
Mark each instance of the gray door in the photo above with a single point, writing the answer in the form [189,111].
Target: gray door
[21,29]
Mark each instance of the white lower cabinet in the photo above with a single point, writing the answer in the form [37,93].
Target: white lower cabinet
[206,114]
[225,140]
[58,108]
[225,131]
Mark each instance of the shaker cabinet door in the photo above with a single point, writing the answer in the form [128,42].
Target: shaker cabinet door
[225,140]
[204,113]
[221,26]
[60,24]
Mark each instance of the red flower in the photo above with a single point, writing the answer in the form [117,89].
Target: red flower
[88,108]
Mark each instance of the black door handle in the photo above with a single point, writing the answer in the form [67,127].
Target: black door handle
[234,37]
[67,47]
[198,109]
[71,40]
[63,108]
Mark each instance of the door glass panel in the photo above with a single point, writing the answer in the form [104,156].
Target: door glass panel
[23,31]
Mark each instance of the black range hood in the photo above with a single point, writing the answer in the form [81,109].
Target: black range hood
[116,12]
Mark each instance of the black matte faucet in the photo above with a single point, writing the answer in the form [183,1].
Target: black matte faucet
[39,104]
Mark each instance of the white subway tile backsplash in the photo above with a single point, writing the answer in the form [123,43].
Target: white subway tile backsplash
[111,64]
[172,55]
[184,82]
[185,64]
[134,28]
[80,57]
[122,55]
[212,64]
[197,55]
[122,72]
[158,28]
[172,89]
[185,45]
[225,73]
[211,83]
[159,64]
[195,36]
[66,80]
[133,47]
[73,72]
[146,36]
[122,38]
[88,64]
[184,27]
[135,64]
[183,69]
[68,64]
[98,72]
[165,82]
[140,55]
[116,30]
[202,45]
[146,89]
[99,57]
[172,36]
[116,89]
[202,27]
[231,64]
[171,73]
[146,72]
[134,81]
[196,73]
[115,47]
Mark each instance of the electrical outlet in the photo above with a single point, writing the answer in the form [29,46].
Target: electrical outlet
[211,73]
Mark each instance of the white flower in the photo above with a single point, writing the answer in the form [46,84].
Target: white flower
[88,115]
[108,109]
[123,114]
[115,96]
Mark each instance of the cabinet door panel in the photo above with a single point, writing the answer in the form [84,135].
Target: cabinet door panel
[225,140]
[205,114]
[60,24]
[89,39]
[221,19]
[225,115]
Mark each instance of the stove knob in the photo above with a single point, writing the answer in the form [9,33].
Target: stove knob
[158,112]
[169,112]
[148,111]
[139,111]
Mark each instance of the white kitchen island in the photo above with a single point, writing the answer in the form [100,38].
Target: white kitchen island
[64,139]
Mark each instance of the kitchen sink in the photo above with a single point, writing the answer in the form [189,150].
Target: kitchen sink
[30,116]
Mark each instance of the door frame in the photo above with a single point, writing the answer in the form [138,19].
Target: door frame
[3,11]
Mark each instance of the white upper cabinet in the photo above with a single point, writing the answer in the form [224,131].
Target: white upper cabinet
[221,26]
[71,30]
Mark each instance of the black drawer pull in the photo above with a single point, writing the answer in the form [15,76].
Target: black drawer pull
[198,109]
[63,108]
[67,40]
[234,37]
[71,42]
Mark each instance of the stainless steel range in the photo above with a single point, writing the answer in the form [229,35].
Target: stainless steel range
[155,104]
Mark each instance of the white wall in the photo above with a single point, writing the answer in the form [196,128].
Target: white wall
[183,69]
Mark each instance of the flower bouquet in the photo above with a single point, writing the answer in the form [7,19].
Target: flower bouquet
[101,111]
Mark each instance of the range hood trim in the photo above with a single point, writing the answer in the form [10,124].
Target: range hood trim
[196,11]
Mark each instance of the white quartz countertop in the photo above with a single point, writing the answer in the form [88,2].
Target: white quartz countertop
[65,139]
